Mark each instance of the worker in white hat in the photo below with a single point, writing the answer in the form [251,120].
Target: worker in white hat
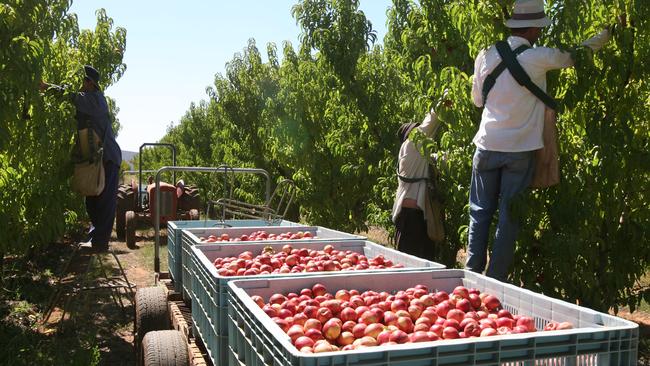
[510,131]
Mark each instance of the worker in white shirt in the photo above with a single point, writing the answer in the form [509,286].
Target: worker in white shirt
[413,172]
[510,131]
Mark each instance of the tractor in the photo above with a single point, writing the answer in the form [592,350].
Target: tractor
[136,202]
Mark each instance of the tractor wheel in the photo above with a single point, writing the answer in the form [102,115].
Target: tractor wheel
[194,214]
[190,199]
[130,225]
[125,202]
[164,348]
[120,223]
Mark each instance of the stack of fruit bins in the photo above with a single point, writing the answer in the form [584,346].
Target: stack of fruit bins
[175,230]
[594,338]
[198,236]
[210,289]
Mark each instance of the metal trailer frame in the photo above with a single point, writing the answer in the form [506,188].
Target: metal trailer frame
[220,169]
[155,308]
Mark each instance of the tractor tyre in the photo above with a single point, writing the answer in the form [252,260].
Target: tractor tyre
[190,199]
[125,202]
[120,223]
[164,348]
[194,214]
[130,225]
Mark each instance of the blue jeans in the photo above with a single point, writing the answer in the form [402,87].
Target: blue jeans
[496,178]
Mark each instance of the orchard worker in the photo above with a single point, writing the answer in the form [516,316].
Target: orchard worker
[409,207]
[510,131]
[92,111]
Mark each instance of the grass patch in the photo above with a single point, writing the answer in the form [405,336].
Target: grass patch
[147,252]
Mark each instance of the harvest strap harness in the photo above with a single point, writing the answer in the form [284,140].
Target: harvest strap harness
[88,178]
[411,180]
[433,209]
[547,170]
[93,152]
[509,61]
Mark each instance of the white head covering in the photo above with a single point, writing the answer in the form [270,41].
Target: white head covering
[528,13]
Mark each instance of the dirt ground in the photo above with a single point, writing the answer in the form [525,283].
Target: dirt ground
[104,329]
[114,325]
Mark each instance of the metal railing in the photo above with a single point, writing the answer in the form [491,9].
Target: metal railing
[220,169]
[171,147]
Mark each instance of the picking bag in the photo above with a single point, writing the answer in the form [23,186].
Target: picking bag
[89,176]
[547,159]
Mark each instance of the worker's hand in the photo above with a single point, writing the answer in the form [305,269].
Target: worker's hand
[43,86]
[443,101]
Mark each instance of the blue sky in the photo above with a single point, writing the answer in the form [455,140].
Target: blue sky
[174,49]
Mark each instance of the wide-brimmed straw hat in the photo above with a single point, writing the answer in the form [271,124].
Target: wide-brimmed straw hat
[528,13]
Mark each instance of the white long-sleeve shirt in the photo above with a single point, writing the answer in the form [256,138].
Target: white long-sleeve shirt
[513,118]
[412,164]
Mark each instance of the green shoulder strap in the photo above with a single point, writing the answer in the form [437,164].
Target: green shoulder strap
[491,79]
[510,60]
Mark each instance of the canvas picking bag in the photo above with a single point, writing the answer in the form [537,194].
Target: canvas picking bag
[547,159]
[88,178]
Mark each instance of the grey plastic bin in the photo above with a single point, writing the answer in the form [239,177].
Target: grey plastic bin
[599,339]
[174,235]
[190,237]
[210,291]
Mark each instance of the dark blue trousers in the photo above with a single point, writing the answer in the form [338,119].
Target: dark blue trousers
[101,209]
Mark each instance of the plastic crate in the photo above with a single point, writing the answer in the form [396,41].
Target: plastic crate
[190,237]
[210,291]
[598,339]
[174,239]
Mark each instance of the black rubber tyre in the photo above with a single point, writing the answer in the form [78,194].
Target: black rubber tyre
[151,312]
[120,223]
[194,214]
[130,225]
[190,199]
[164,348]
[125,202]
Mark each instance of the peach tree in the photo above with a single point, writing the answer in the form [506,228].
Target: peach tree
[585,239]
[42,41]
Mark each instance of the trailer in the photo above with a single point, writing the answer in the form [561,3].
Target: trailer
[188,325]
[162,323]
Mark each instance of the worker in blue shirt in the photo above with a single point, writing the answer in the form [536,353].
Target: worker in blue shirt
[92,111]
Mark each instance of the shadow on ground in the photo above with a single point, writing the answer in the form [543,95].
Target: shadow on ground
[84,328]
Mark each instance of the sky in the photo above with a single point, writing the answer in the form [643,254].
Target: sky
[175,48]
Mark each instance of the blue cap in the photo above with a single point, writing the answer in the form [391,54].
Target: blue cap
[92,74]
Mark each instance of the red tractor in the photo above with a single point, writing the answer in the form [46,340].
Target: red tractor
[136,202]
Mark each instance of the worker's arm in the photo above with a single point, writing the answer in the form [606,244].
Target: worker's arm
[548,58]
[599,40]
[478,79]
[430,124]
[86,103]
[57,90]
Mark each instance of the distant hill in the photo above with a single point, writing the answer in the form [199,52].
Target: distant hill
[128,156]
